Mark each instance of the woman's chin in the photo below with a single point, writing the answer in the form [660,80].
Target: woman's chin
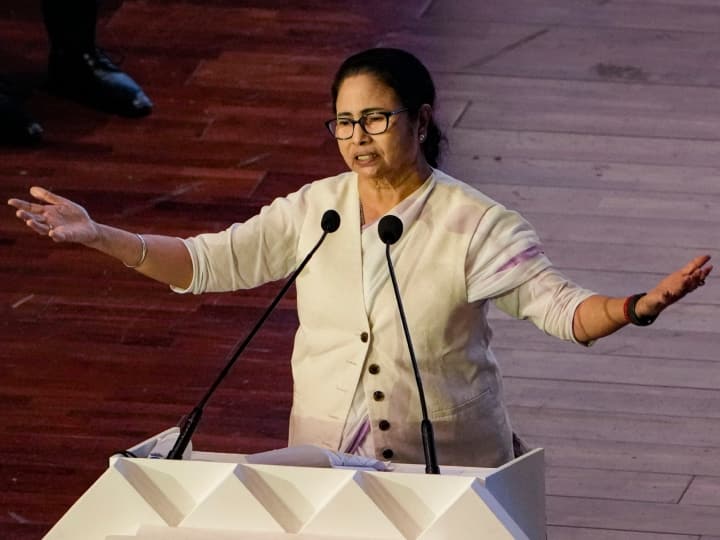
[367,172]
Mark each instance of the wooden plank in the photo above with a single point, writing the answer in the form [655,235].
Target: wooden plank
[630,343]
[703,491]
[607,202]
[583,147]
[663,14]
[621,427]
[612,397]
[580,366]
[626,258]
[596,174]
[662,457]
[579,533]
[616,485]
[306,73]
[285,26]
[603,108]
[666,57]
[447,46]
[123,178]
[633,516]
[579,53]
[688,232]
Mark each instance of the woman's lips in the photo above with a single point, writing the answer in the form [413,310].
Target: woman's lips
[365,158]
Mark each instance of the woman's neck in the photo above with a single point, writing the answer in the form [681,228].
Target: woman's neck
[380,195]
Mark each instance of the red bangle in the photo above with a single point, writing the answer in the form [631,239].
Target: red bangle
[626,305]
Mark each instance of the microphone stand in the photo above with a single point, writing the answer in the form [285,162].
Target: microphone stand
[330,223]
[426,428]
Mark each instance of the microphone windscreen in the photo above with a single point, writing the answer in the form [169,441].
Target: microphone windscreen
[390,229]
[330,221]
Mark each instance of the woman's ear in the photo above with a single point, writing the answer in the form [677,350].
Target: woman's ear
[424,118]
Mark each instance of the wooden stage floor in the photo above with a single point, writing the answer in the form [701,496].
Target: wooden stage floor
[597,119]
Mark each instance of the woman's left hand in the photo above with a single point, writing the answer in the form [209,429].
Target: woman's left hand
[674,286]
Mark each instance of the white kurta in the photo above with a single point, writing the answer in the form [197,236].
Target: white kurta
[459,249]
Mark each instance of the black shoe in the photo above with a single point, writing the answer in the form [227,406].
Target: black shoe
[16,125]
[93,79]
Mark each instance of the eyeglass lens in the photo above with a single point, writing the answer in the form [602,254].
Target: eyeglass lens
[373,124]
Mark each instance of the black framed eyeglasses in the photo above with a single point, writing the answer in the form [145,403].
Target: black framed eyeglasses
[372,123]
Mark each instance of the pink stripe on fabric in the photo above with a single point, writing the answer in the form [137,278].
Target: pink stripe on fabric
[529,253]
[359,438]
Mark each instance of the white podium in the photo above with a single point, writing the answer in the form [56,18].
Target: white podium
[221,496]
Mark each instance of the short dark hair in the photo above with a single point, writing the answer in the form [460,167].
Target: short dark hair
[409,79]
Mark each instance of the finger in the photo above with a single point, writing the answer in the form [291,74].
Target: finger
[696,279]
[27,206]
[699,273]
[40,228]
[694,264]
[47,196]
[702,260]
[19,204]
[702,274]
[58,235]
[26,215]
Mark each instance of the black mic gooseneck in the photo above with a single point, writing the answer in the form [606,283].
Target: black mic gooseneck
[330,223]
[390,229]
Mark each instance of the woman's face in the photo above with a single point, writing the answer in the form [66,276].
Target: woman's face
[391,155]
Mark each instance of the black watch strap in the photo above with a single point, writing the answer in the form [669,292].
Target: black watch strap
[632,316]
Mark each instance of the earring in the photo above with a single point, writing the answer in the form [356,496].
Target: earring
[422,137]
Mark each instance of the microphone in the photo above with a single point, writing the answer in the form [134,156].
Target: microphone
[330,223]
[390,229]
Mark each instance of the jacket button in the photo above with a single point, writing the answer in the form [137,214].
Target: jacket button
[388,453]
[374,369]
[378,395]
[364,337]
[384,425]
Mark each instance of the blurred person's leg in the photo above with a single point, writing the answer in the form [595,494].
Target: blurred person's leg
[16,125]
[79,70]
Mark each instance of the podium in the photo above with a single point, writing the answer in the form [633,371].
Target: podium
[222,496]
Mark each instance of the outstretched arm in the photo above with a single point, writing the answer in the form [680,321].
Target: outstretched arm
[162,258]
[600,316]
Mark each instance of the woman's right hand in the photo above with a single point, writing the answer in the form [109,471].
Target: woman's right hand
[57,217]
[163,258]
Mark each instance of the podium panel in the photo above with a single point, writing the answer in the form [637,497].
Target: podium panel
[220,496]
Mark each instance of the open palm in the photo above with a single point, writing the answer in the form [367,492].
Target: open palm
[57,217]
[676,285]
